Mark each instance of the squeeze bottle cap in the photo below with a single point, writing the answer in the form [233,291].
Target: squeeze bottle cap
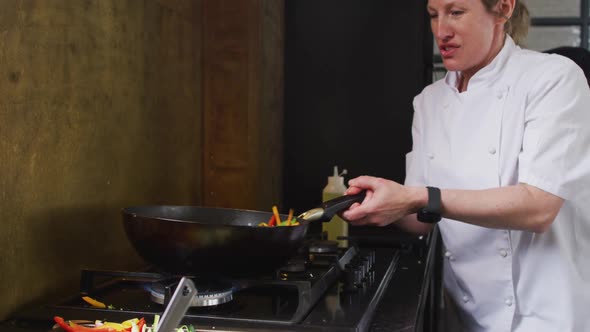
[336,183]
[336,175]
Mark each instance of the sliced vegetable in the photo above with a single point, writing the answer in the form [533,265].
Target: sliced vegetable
[141,324]
[275,212]
[73,327]
[290,216]
[156,322]
[60,321]
[272,221]
[275,219]
[116,326]
[80,328]
[130,325]
[93,302]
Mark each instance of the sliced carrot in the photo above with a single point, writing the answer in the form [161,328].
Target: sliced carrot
[275,211]
[93,302]
[289,217]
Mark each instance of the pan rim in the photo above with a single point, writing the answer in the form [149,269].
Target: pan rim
[129,211]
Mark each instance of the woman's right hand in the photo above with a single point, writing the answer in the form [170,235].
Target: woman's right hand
[386,201]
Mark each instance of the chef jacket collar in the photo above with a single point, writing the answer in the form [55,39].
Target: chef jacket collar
[488,74]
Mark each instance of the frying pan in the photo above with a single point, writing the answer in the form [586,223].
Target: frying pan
[191,240]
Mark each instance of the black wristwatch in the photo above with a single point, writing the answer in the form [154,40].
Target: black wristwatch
[431,212]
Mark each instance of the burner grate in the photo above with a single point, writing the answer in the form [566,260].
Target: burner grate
[209,293]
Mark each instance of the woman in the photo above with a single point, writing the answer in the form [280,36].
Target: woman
[502,142]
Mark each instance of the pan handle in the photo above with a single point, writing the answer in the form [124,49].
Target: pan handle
[341,203]
[328,209]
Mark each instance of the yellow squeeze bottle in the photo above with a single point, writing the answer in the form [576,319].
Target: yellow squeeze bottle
[335,227]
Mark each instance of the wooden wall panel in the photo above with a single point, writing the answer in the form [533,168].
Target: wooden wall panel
[111,103]
[100,108]
[243,89]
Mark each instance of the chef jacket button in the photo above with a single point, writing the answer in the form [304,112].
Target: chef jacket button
[430,156]
[446,105]
[465,298]
[447,254]
[492,150]
[508,301]
[499,94]
[503,253]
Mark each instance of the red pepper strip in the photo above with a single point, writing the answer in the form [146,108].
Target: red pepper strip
[272,221]
[141,323]
[60,321]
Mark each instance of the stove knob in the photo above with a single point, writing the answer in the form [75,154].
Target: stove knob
[366,265]
[358,277]
[357,264]
[372,259]
[349,277]
[363,269]
[353,277]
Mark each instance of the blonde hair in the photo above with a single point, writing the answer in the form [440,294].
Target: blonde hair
[517,26]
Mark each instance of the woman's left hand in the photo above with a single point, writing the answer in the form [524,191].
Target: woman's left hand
[386,201]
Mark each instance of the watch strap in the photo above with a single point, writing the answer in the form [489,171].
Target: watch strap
[431,213]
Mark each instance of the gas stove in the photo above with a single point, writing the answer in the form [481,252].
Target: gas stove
[326,288]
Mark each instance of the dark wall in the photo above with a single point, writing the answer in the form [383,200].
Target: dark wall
[352,70]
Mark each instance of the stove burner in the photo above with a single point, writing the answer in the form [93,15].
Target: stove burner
[209,293]
[323,247]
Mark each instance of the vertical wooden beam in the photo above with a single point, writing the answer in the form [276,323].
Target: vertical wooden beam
[242,91]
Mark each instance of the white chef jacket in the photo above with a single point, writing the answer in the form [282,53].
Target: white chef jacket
[525,118]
